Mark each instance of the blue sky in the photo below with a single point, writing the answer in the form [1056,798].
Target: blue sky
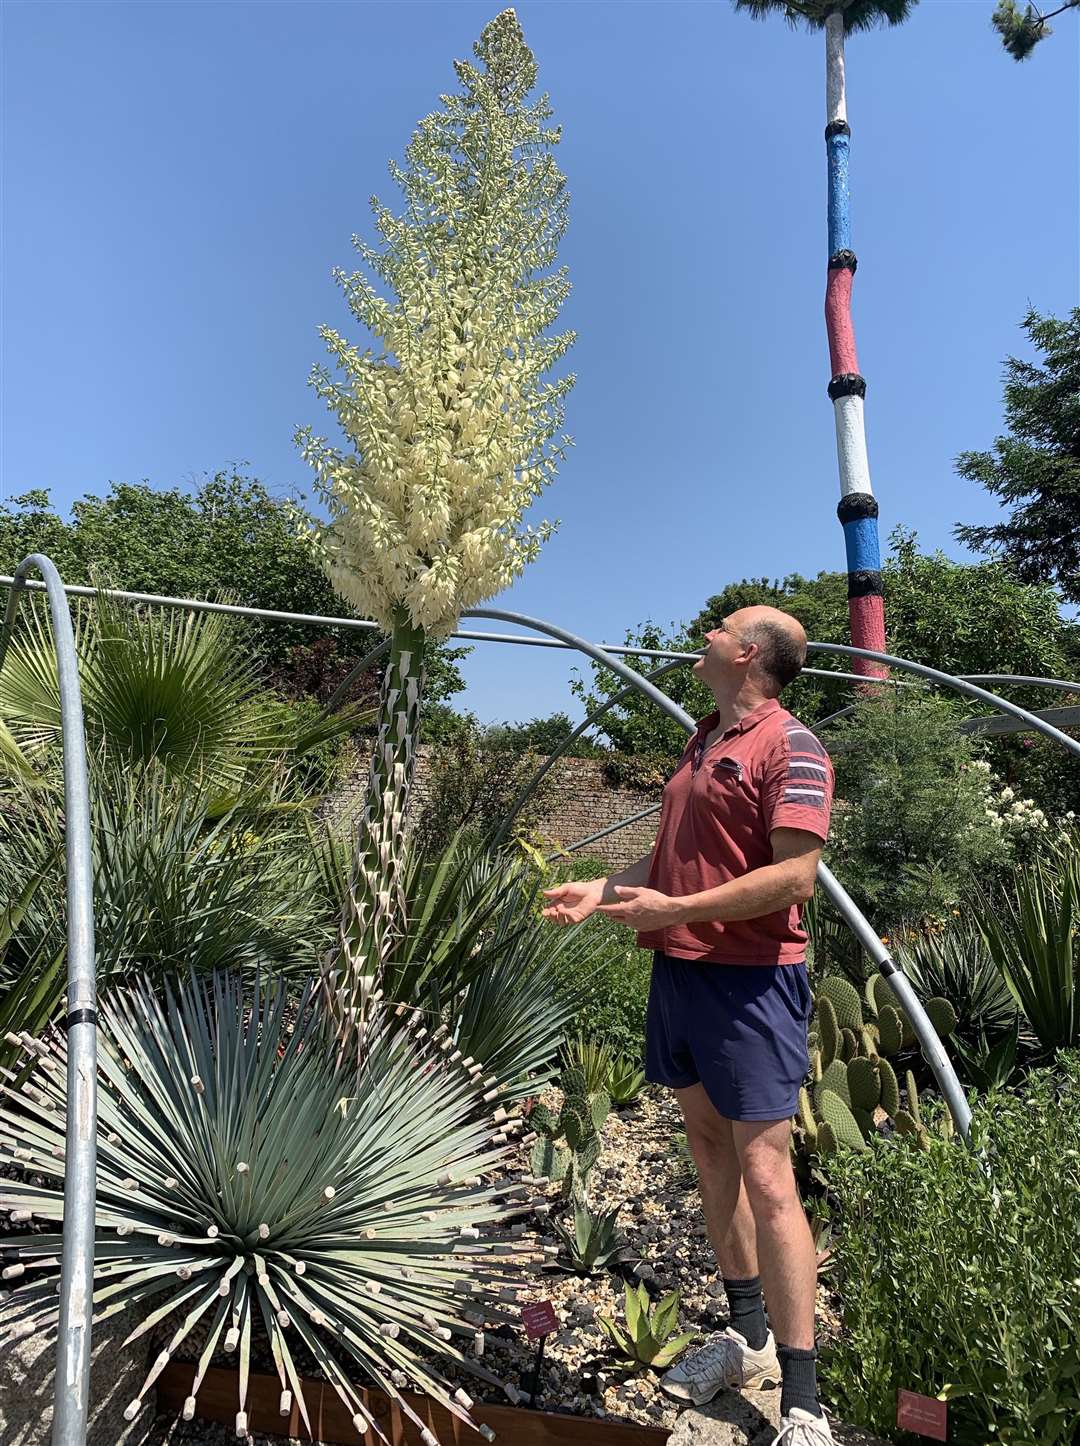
[179,179]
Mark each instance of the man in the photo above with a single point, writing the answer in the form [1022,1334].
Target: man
[743,823]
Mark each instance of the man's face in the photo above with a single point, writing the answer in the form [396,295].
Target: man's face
[725,652]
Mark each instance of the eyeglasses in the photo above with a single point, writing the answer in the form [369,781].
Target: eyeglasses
[722,627]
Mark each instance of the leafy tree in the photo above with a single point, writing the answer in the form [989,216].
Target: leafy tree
[961,618]
[452,426]
[1021,30]
[912,833]
[1035,469]
[539,735]
[229,541]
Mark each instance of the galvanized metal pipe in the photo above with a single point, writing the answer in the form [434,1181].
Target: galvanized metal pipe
[72,1386]
[611,828]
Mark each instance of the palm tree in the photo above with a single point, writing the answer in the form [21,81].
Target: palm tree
[452,428]
[858,509]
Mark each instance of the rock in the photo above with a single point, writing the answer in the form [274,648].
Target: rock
[747,1418]
[26,1387]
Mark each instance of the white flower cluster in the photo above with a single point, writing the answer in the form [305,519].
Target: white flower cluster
[1016,818]
[453,431]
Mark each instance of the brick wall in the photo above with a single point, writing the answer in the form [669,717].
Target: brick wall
[580,801]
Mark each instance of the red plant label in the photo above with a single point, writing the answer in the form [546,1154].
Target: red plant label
[924,1415]
[539,1319]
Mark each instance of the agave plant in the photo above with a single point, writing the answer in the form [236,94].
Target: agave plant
[625,1081]
[1031,937]
[647,1339]
[243,1185]
[594,1244]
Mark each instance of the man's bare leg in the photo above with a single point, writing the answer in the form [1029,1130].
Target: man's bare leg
[785,1245]
[724,1201]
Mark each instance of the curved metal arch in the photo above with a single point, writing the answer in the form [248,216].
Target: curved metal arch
[929,1043]
[958,685]
[72,1385]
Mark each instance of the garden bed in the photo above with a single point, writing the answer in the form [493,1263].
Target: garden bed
[332,1423]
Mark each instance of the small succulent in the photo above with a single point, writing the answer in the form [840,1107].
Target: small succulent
[594,1244]
[578,1123]
[625,1081]
[647,1338]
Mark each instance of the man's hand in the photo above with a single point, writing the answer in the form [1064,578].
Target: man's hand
[572,903]
[644,909]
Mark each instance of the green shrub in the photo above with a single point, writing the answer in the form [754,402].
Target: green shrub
[615,991]
[959,1272]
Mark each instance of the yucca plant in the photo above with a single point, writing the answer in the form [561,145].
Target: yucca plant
[473,954]
[243,1185]
[594,1243]
[1031,936]
[956,964]
[647,1338]
[592,1058]
[625,1081]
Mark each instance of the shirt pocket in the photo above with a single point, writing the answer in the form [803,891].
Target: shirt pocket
[727,792]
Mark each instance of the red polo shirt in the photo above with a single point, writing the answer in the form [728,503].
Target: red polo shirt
[719,809]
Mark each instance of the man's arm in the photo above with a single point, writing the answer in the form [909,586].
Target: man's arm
[788,880]
[571,903]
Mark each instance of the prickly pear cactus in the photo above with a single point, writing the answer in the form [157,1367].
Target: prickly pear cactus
[579,1124]
[850,1050]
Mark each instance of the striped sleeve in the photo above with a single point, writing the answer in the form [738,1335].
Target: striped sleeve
[799,785]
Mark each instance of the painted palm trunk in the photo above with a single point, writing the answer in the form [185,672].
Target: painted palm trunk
[373,917]
[858,509]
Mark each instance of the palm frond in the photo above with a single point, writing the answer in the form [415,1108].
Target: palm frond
[858,14]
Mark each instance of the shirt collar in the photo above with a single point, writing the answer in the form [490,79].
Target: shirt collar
[745,723]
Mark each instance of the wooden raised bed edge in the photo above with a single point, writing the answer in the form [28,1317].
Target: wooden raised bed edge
[513,1425]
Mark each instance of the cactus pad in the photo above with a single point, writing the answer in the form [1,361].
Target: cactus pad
[890,1088]
[835,1078]
[835,1113]
[864,1085]
[890,1031]
[942,1016]
[844,998]
[829,1030]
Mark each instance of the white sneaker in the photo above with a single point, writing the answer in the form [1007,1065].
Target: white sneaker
[725,1360]
[799,1428]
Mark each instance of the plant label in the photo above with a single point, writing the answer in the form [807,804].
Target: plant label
[925,1415]
[539,1319]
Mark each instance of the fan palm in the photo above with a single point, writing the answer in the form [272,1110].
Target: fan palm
[164,689]
[858,509]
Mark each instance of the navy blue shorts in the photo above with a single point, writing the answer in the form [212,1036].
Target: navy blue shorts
[737,1029]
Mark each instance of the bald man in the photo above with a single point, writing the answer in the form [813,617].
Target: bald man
[719,901]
